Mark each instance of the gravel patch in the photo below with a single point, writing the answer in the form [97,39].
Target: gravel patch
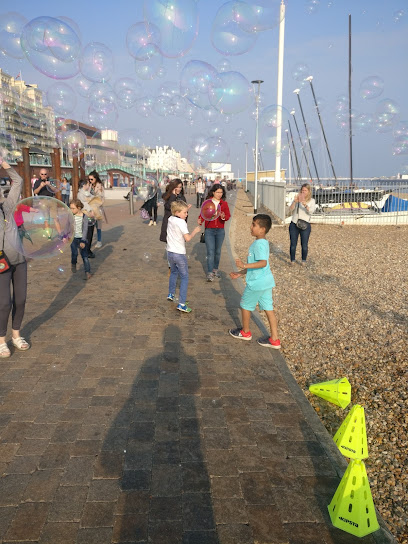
[346,314]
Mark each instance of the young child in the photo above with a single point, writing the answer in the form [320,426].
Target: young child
[177,236]
[80,237]
[259,284]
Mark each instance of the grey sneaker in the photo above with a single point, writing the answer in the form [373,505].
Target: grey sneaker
[210,277]
[216,274]
[98,244]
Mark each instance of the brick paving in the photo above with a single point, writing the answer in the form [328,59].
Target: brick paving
[129,422]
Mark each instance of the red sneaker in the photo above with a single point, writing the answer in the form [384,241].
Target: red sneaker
[269,343]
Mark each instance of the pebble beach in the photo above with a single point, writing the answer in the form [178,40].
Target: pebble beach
[345,314]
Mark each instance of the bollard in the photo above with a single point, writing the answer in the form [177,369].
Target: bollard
[131,204]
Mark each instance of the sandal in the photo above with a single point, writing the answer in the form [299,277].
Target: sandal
[4,351]
[20,343]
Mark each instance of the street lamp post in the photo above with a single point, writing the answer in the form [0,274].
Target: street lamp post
[257,95]
[246,167]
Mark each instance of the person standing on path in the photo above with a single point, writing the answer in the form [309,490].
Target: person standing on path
[65,191]
[259,284]
[13,268]
[215,231]
[200,190]
[173,193]
[303,206]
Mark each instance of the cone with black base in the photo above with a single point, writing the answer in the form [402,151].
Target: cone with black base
[351,438]
[337,392]
[352,507]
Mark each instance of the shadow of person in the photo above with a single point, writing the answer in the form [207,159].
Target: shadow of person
[73,286]
[232,297]
[153,448]
[199,253]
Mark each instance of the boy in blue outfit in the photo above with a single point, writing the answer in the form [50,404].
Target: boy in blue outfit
[259,284]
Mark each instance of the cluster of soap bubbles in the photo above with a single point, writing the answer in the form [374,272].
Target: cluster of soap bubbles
[400,143]
[237,24]
[45,227]
[205,149]
[145,187]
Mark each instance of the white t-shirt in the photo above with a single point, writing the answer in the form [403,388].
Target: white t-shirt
[176,229]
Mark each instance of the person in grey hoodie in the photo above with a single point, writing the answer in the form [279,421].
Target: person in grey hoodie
[15,275]
[84,195]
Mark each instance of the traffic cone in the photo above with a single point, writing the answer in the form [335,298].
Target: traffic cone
[337,392]
[352,507]
[351,438]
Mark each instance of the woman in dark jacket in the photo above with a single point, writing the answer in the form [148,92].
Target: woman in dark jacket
[173,193]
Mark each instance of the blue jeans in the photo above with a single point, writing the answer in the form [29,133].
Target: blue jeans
[213,241]
[178,267]
[84,253]
[294,233]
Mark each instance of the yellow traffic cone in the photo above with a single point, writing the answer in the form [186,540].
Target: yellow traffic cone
[351,438]
[352,507]
[336,391]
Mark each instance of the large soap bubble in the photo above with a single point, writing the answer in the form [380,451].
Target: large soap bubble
[73,140]
[270,119]
[103,114]
[216,150]
[232,31]
[231,93]
[177,22]
[11,26]
[96,62]
[300,72]
[196,79]
[144,106]
[45,227]
[82,86]
[52,47]
[371,87]
[146,187]
[209,211]
[139,35]
[62,98]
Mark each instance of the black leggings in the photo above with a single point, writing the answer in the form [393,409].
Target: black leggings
[153,213]
[17,276]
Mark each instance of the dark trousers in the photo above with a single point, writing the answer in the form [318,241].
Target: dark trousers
[153,213]
[200,199]
[84,254]
[16,276]
[294,233]
[89,237]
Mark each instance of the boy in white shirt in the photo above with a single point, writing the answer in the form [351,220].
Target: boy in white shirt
[177,236]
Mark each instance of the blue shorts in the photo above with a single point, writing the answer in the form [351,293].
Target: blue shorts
[251,298]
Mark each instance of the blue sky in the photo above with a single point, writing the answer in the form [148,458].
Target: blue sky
[319,40]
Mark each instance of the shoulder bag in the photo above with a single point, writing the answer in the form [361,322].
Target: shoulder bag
[301,223]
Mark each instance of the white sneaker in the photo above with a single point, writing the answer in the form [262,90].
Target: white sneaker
[150,223]
[154,223]
[98,244]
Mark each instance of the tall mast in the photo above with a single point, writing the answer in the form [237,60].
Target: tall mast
[350,125]
[280,92]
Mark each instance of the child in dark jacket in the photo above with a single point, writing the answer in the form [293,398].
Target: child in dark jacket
[80,237]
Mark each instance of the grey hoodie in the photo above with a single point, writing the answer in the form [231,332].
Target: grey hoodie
[8,228]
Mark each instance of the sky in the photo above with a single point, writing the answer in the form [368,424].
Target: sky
[316,43]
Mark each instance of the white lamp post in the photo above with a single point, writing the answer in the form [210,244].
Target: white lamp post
[257,95]
[246,167]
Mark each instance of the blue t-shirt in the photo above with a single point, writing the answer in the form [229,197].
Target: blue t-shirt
[260,278]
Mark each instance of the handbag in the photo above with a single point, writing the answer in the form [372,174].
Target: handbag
[4,262]
[202,238]
[144,214]
[301,223]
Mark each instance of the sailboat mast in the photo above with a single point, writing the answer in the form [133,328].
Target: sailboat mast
[280,92]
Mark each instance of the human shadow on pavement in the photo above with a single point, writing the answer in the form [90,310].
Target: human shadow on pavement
[74,285]
[153,448]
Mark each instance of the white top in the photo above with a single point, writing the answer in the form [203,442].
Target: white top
[78,226]
[176,229]
[200,187]
[303,213]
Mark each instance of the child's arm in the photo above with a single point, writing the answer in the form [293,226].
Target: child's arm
[188,237]
[259,264]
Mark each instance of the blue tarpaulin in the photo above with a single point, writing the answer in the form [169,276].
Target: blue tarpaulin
[395,204]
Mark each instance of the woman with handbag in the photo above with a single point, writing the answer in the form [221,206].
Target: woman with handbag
[174,191]
[303,206]
[13,267]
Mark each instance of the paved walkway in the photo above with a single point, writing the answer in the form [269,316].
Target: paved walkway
[130,422]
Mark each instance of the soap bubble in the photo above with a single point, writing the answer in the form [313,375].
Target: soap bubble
[177,105]
[209,211]
[398,15]
[144,106]
[162,106]
[127,91]
[103,114]
[216,130]
[300,72]
[149,67]
[62,98]
[270,119]
[82,86]
[139,36]
[216,150]
[145,188]
[11,26]
[230,93]
[371,87]
[52,47]
[73,140]
[210,115]
[364,122]
[101,91]
[401,129]
[233,28]
[386,115]
[177,22]
[45,227]
[224,65]
[312,6]
[195,81]
[96,62]
[240,134]
[267,13]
